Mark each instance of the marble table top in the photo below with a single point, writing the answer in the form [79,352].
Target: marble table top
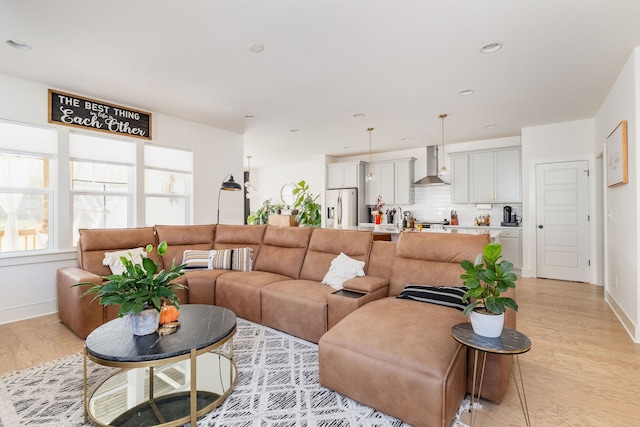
[509,342]
[200,326]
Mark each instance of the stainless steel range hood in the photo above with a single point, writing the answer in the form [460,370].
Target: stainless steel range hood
[432,177]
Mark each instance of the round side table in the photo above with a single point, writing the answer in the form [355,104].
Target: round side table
[510,342]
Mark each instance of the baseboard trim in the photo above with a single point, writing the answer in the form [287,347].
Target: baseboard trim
[627,322]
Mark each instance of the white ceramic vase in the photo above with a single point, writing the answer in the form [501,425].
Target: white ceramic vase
[487,325]
[146,322]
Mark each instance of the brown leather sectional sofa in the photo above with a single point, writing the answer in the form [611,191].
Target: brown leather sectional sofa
[392,354]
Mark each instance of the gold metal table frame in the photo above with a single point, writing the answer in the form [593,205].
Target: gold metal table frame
[510,342]
[163,391]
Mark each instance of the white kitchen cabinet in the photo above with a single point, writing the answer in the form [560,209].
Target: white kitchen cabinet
[343,175]
[511,243]
[487,176]
[460,178]
[404,178]
[393,182]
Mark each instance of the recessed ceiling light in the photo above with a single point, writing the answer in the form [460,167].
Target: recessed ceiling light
[406,138]
[249,116]
[256,47]
[491,47]
[346,147]
[294,130]
[17,44]
[489,126]
[358,115]
[465,92]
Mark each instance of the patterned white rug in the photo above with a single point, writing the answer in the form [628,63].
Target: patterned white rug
[277,386]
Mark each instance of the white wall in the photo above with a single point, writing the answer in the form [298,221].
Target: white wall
[622,223]
[216,153]
[270,179]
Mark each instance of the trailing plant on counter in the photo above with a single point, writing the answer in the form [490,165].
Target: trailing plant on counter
[308,208]
[261,215]
[487,279]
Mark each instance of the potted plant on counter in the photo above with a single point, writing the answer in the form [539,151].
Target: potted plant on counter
[486,280]
[140,290]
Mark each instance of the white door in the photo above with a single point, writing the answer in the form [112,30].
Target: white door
[562,221]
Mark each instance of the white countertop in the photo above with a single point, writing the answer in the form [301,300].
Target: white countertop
[390,228]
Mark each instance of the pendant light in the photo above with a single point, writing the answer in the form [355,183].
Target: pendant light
[370,177]
[443,171]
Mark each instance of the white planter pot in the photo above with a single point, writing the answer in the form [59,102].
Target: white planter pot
[146,322]
[487,325]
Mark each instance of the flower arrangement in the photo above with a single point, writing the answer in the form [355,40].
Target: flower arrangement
[378,206]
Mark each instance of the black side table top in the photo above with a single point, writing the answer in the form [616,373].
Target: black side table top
[200,326]
[509,342]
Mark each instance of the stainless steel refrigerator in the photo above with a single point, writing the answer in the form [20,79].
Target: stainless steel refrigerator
[341,208]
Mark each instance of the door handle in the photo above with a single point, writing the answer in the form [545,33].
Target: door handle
[540,226]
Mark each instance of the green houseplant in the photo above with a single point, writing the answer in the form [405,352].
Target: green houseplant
[486,280]
[140,287]
[308,208]
[261,215]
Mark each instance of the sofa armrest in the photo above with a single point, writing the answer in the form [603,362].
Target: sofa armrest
[80,314]
[366,284]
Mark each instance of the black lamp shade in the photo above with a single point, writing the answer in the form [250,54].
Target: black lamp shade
[230,185]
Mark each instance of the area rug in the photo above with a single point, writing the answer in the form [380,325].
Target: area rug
[277,386]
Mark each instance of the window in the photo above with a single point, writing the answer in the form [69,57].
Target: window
[27,163]
[167,185]
[102,182]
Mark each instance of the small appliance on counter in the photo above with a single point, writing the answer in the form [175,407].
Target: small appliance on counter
[509,218]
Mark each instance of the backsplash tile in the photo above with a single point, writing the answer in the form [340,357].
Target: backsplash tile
[433,203]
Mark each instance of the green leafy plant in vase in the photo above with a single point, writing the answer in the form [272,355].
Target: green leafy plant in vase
[486,279]
[140,289]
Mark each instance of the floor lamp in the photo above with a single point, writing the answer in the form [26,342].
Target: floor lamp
[227,185]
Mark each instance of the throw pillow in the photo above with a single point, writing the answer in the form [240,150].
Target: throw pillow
[195,259]
[449,296]
[342,269]
[112,259]
[239,259]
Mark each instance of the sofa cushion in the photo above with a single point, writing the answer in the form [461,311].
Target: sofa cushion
[432,259]
[238,259]
[181,238]
[326,244]
[448,296]
[283,250]
[113,261]
[342,269]
[93,243]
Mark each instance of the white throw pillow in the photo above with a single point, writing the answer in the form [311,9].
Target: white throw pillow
[342,269]
[112,259]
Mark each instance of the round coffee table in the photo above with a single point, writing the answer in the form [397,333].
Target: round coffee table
[159,382]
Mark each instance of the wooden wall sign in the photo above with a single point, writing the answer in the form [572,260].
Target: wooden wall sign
[77,111]
[617,167]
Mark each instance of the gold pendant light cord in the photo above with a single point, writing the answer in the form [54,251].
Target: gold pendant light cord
[370,130]
[442,117]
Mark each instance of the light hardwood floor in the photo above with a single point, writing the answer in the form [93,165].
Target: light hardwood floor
[583,368]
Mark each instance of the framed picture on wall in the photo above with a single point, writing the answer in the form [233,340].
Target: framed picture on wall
[617,163]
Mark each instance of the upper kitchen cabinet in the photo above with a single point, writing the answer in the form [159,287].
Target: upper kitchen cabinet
[393,182]
[344,175]
[487,177]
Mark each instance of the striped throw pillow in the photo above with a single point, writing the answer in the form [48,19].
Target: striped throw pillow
[239,259]
[449,296]
[195,259]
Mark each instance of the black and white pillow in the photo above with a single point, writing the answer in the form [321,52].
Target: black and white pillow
[449,296]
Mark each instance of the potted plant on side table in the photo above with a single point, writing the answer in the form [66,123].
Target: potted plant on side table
[140,290]
[486,280]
